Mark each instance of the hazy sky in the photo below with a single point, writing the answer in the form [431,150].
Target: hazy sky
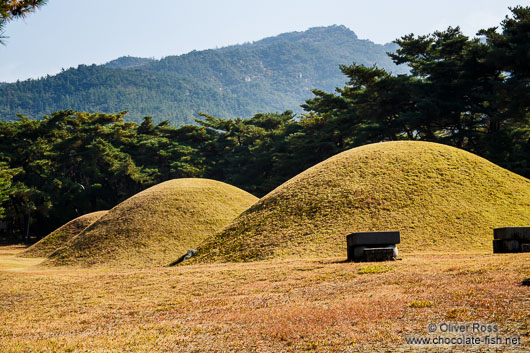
[66,33]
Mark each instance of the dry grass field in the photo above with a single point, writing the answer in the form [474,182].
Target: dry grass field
[321,305]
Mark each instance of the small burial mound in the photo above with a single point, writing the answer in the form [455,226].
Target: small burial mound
[157,225]
[441,198]
[61,235]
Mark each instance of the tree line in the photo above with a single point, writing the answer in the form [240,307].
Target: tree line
[472,93]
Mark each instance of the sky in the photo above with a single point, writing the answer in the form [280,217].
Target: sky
[66,33]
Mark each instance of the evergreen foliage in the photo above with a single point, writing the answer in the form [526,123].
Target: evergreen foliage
[13,9]
[469,93]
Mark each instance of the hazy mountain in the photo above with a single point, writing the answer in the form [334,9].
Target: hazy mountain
[273,74]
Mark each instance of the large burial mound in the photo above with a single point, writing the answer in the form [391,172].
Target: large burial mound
[61,235]
[157,225]
[439,197]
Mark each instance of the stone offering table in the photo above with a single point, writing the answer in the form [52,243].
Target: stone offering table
[511,239]
[373,246]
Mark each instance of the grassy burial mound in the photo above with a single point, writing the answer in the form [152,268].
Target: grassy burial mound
[61,235]
[157,225]
[439,197]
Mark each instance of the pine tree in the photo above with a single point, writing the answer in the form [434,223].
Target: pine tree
[13,9]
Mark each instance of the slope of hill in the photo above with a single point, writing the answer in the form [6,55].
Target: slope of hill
[273,74]
[101,89]
[442,199]
[59,237]
[157,225]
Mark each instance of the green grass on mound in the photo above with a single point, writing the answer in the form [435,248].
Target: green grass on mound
[439,197]
[61,235]
[157,225]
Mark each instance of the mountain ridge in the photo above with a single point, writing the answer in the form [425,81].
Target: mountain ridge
[269,75]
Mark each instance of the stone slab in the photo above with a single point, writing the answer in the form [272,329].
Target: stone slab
[373,238]
[511,245]
[378,254]
[512,233]
[350,252]
[525,247]
[358,252]
[497,246]
[506,246]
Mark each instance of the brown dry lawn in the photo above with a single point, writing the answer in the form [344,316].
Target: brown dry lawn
[321,305]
